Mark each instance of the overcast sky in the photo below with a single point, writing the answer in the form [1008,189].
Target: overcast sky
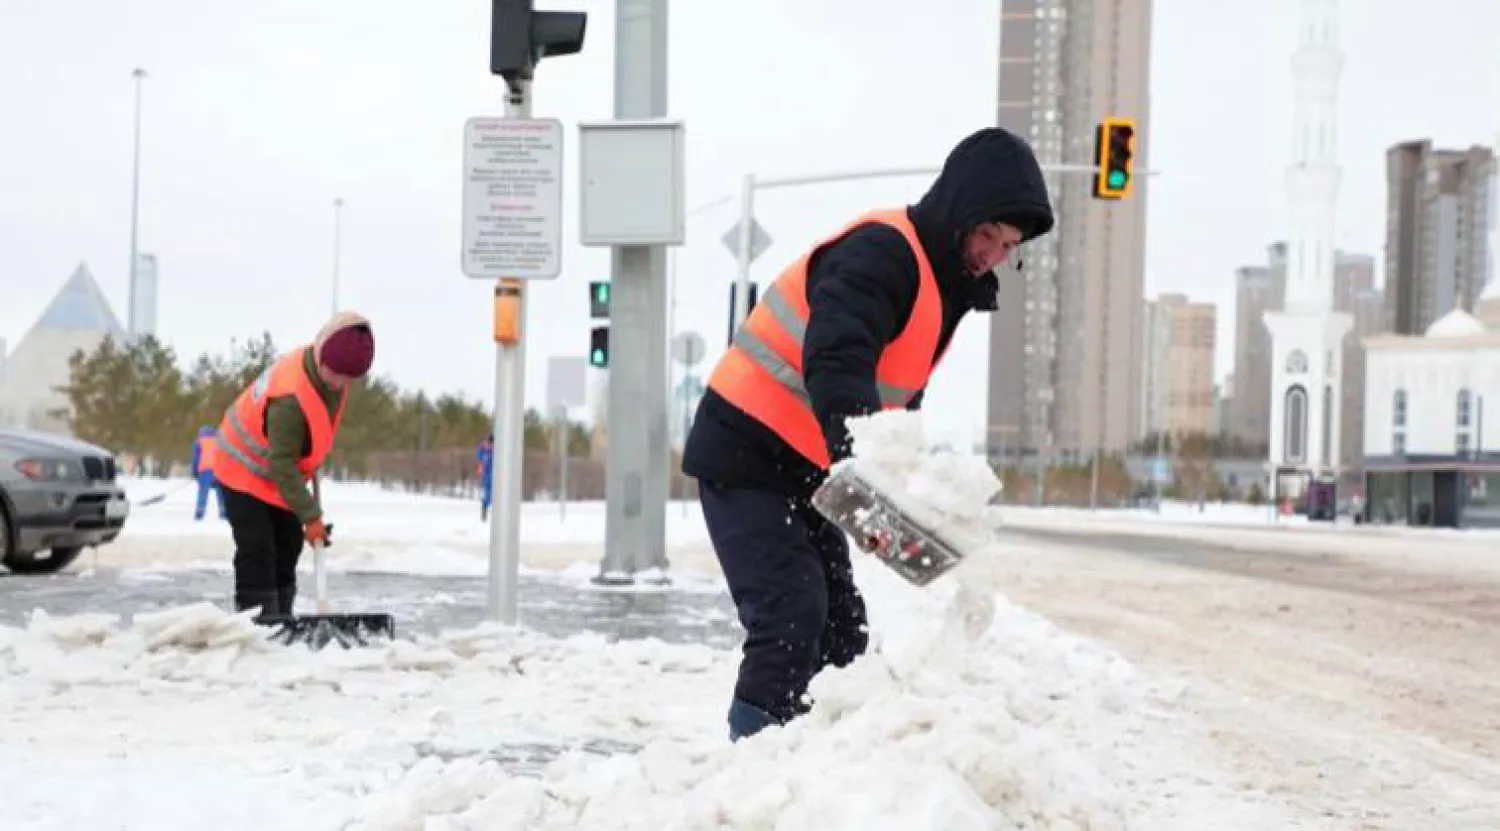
[259,113]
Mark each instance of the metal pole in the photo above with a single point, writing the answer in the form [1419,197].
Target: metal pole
[561,418]
[687,374]
[1094,481]
[742,257]
[338,221]
[509,428]
[135,205]
[636,476]
[1155,470]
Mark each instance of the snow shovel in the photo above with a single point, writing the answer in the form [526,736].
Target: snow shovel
[347,629]
[318,630]
[868,514]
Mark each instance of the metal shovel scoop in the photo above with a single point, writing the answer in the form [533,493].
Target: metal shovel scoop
[852,502]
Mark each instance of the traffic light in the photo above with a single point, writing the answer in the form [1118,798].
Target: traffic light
[1114,149]
[599,300]
[599,347]
[749,307]
[521,36]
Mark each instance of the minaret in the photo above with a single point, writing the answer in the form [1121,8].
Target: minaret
[1307,334]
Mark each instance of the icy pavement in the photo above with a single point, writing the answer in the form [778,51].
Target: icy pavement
[553,604]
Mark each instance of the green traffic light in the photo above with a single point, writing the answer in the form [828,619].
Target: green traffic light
[597,357]
[601,292]
[1117,178]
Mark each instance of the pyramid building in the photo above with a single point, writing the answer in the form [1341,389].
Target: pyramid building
[78,318]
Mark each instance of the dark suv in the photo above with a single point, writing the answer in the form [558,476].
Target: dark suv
[57,496]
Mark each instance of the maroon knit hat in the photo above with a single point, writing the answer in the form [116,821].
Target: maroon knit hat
[349,351]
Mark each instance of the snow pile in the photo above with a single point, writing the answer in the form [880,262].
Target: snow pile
[947,492]
[958,485]
[1021,726]
[958,718]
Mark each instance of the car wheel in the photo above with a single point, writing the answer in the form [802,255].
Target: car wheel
[34,563]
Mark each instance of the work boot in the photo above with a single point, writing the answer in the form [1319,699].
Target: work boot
[746,719]
[286,597]
[268,603]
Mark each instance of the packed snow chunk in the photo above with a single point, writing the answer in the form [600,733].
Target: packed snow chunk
[197,627]
[948,493]
[73,632]
[892,443]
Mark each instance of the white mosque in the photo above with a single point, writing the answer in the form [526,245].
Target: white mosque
[1432,446]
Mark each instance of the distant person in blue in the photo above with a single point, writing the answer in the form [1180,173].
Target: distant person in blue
[484,455]
[204,448]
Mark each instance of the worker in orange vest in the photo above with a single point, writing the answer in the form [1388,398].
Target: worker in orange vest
[203,471]
[270,444]
[854,325]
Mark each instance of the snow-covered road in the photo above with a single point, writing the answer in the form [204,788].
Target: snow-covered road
[1061,684]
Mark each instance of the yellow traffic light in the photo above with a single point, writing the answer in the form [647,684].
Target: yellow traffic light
[1114,154]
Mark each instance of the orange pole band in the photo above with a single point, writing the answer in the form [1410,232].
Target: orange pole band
[508,312]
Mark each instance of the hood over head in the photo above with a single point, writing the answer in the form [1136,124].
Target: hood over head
[990,176]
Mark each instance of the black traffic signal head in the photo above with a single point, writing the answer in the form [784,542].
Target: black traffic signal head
[598,299]
[521,36]
[599,347]
[1115,153]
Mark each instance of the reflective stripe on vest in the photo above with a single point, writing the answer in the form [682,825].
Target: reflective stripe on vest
[242,460]
[761,373]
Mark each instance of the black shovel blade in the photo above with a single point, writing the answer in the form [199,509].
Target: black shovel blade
[348,630]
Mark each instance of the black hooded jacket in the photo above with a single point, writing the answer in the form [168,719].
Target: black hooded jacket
[861,290]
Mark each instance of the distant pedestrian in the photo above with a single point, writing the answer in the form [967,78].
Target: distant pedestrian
[203,470]
[484,468]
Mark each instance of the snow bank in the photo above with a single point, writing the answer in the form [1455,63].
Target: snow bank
[968,713]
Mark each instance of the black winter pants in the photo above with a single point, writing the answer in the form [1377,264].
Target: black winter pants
[267,544]
[788,572]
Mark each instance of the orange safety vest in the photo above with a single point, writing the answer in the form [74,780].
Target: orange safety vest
[761,373]
[242,460]
[206,447]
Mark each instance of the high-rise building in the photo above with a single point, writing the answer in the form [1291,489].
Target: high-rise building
[1436,237]
[1259,289]
[1065,350]
[143,305]
[1156,339]
[1226,406]
[1368,307]
[1180,396]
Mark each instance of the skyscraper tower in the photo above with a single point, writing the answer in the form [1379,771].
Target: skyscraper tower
[1307,334]
[1065,343]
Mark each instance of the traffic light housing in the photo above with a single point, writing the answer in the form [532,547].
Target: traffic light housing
[1114,151]
[599,300]
[599,347]
[749,307]
[520,36]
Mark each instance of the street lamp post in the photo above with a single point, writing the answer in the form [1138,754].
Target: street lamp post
[135,204]
[338,211]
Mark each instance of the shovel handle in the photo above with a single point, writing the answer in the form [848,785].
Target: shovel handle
[320,578]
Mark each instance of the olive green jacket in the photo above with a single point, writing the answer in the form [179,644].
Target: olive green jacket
[286,429]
